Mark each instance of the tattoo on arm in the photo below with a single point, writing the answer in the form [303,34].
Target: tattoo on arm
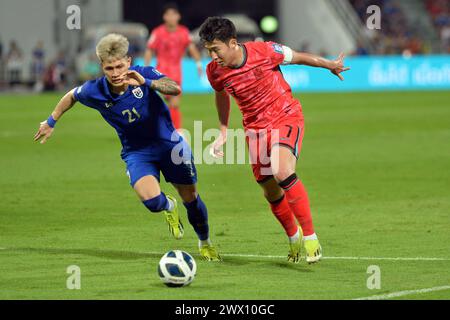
[166,86]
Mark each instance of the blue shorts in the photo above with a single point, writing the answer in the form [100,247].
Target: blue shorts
[175,162]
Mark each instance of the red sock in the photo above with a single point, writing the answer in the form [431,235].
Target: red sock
[283,213]
[298,201]
[175,114]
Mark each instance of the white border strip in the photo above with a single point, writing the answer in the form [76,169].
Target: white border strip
[341,258]
[403,293]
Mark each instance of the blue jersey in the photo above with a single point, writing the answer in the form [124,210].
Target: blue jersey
[140,116]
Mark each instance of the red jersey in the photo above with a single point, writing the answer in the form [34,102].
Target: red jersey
[258,86]
[169,48]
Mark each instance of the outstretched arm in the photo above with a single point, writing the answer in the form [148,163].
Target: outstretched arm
[46,127]
[148,57]
[195,54]
[223,111]
[335,66]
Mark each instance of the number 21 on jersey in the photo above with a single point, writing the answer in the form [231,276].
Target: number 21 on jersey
[131,114]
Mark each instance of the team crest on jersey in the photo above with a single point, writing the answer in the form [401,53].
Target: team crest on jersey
[277,48]
[138,93]
[258,72]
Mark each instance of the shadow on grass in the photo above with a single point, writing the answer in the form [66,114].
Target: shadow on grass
[98,253]
[299,267]
[266,262]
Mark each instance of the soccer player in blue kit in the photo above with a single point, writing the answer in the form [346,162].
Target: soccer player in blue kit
[127,99]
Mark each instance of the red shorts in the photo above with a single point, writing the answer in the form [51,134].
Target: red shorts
[288,133]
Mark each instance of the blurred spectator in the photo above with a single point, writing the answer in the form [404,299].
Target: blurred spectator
[445,37]
[1,64]
[55,76]
[414,45]
[91,69]
[61,70]
[440,14]
[14,62]
[439,11]
[50,77]
[360,50]
[38,65]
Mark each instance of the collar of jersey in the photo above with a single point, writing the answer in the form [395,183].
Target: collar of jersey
[108,93]
[168,31]
[244,50]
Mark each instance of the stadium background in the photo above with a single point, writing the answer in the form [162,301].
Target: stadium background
[375,158]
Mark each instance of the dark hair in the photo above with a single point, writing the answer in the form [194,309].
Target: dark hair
[217,28]
[170,6]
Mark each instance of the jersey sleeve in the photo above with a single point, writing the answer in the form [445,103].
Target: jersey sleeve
[187,37]
[149,73]
[213,79]
[84,93]
[152,42]
[275,52]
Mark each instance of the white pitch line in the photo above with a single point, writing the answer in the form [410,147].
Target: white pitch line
[389,258]
[325,258]
[403,293]
[342,258]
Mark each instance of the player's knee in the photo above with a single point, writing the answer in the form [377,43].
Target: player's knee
[272,191]
[188,196]
[273,195]
[156,204]
[282,174]
[187,193]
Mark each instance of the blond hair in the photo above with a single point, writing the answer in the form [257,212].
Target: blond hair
[112,46]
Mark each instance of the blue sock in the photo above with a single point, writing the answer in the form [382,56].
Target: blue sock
[198,217]
[157,204]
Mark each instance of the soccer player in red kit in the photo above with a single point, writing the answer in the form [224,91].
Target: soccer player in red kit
[169,42]
[272,118]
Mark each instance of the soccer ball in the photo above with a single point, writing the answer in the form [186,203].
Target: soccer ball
[177,268]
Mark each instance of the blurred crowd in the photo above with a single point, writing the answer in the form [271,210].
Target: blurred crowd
[41,76]
[440,14]
[399,37]
[396,37]
[35,70]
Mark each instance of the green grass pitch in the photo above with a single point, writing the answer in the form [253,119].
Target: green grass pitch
[376,166]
